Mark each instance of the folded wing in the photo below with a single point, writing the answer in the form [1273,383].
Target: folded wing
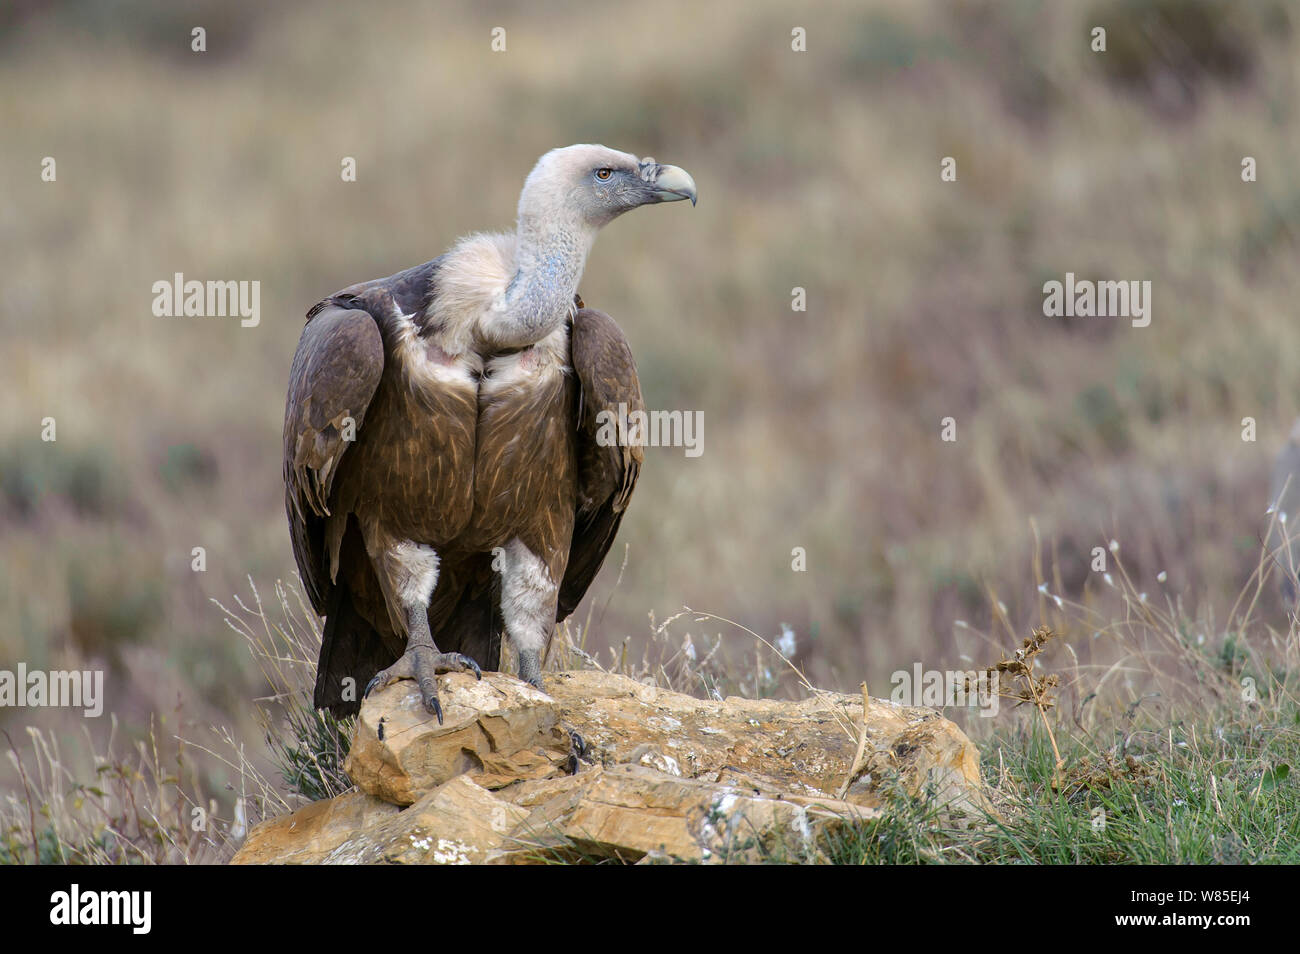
[336,369]
[607,470]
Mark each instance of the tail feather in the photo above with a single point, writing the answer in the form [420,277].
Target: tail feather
[351,653]
[472,625]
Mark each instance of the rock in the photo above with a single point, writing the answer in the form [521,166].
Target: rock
[801,748]
[634,813]
[459,822]
[309,835]
[497,730]
[664,776]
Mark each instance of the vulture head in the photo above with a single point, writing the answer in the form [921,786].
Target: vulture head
[589,186]
[569,196]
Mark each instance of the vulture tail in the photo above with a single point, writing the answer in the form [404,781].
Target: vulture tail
[466,617]
[350,648]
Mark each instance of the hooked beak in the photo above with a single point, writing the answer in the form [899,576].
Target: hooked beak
[673,183]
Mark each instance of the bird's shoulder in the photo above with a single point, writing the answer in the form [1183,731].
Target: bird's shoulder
[404,293]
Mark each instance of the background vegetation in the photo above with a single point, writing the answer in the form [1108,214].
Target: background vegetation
[816,169]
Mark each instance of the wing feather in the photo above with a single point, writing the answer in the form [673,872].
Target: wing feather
[607,475]
[335,371]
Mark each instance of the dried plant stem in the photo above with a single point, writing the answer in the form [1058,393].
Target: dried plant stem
[856,767]
[36,845]
[1058,769]
[701,616]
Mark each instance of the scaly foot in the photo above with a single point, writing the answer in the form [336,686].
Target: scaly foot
[530,667]
[422,662]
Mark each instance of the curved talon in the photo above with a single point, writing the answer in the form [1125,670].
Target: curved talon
[424,667]
[471,664]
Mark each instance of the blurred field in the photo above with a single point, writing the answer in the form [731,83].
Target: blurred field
[822,428]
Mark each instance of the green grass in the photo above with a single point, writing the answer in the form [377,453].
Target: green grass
[1205,801]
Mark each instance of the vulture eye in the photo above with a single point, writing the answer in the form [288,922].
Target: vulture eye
[603,174]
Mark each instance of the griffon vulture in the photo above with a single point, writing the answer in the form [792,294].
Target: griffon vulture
[440,453]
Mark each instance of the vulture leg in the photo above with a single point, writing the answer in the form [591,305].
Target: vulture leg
[528,597]
[413,572]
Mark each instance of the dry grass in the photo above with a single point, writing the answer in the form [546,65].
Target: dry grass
[817,170]
[138,806]
[1211,715]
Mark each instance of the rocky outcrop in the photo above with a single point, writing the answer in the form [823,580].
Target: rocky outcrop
[633,812]
[497,730]
[601,766]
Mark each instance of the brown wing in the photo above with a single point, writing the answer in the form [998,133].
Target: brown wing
[335,371]
[607,475]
